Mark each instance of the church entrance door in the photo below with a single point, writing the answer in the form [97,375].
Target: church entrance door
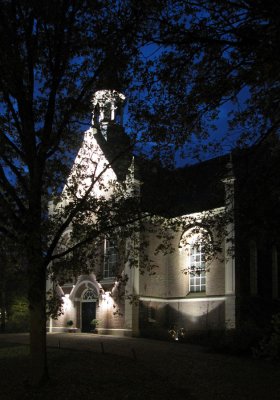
[88,314]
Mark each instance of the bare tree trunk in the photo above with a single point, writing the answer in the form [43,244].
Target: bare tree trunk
[3,294]
[3,308]
[37,304]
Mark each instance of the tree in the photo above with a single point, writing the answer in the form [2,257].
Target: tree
[12,286]
[54,55]
[208,56]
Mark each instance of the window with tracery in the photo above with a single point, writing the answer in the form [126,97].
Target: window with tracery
[89,295]
[195,242]
[197,280]
[110,259]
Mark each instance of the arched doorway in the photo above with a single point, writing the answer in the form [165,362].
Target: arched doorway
[88,309]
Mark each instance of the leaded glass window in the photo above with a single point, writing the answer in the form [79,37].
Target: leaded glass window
[89,295]
[196,244]
[110,259]
[197,268]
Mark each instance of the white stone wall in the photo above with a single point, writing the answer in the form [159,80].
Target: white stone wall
[166,294]
[170,280]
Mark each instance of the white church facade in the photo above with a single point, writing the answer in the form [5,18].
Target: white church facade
[187,288]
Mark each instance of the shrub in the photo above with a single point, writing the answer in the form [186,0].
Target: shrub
[18,317]
[238,341]
[269,346]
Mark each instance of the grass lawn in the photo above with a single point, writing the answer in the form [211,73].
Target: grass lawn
[92,375]
[83,375]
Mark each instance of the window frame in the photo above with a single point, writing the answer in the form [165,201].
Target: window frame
[110,259]
[192,242]
[197,272]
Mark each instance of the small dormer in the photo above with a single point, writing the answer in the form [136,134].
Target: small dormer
[107,109]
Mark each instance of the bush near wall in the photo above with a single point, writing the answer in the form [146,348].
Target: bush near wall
[240,342]
[269,345]
[18,316]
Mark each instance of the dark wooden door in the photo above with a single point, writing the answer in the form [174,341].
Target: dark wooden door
[88,314]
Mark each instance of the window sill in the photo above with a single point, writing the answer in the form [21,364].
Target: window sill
[108,280]
[196,294]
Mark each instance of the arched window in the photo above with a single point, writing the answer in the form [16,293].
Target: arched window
[110,259]
[89,294]
[196,261]
[195,242]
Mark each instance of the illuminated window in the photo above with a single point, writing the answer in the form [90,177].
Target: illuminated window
[195,243]
[197,268]
[110,259]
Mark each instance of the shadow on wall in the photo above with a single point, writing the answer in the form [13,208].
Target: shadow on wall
[156,319]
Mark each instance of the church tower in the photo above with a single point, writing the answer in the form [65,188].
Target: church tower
[107,110]
[107,127]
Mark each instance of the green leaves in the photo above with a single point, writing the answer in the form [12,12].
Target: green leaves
[206,53]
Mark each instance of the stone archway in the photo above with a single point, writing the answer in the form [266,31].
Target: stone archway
[85,295]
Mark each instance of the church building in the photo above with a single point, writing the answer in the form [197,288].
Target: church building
[220,267]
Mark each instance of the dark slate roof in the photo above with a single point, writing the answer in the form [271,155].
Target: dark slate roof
[116,148]
[183,190]
[167,192]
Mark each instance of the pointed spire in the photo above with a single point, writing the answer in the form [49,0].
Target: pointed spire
[229,174]
[132,179]
[131,169]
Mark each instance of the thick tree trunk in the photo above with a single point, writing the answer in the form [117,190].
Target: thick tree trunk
[37,306]
[3,309]
[37,293]
[2,295]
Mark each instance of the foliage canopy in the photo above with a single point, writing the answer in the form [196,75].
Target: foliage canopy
[210,60]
